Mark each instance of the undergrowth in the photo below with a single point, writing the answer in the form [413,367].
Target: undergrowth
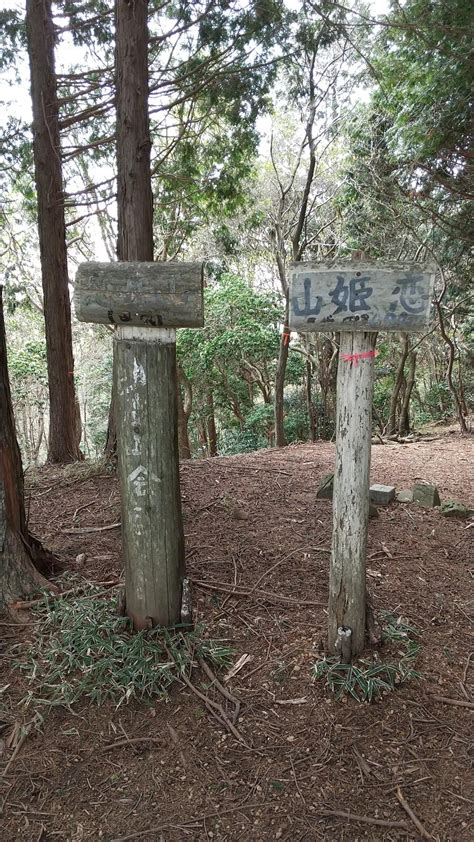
[82,649]
[367,681]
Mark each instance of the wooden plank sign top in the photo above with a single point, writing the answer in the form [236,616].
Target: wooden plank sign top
[360,296]
[146,294]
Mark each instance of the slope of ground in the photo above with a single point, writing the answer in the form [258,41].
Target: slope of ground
[257,545]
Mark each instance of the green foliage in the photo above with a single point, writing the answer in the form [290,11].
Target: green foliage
[425,64]
[295,417]
[371,680]
[437,404]
[233,358]
[93,352]
[27,365]
[255,434]
[82,649]
[12,35]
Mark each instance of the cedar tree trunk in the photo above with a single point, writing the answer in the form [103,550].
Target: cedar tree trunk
[22,558]
[134,194]
[64,434]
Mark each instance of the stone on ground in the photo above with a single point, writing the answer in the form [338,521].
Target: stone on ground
[373,511]
[451,508]
[426,495]
[325,488]
[405,496]
[382,494]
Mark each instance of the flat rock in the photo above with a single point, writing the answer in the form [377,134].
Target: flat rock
[405,495]
[382,494]
[325,488]
[451,508]
[426,495]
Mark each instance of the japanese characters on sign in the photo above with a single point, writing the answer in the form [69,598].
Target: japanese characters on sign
[359,296]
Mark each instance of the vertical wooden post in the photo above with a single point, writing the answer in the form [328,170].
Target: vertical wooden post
[148,464]
[351,489]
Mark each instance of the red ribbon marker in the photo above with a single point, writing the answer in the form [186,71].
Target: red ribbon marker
[354,358]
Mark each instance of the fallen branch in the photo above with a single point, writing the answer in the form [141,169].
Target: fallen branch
[466,668]
[175,741]
[214,708]
[270,597]
[353,817]
[86,529]
[226,693]
[456,702]
[130,742]
[18,746]
[421,830]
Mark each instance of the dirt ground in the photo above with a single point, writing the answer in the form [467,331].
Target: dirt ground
[257,546]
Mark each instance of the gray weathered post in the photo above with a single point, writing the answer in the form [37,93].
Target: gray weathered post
[147,301]
[356,299]
[351,489]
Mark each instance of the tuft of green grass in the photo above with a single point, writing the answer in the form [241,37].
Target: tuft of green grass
[368,681]
[82,649]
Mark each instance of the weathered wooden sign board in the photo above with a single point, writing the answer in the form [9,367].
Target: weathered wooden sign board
[145,294]
[147,301]
[361,296]
[356,299]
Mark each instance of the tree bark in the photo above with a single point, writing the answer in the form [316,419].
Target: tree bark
[64,435]
[134,194]
[309,402]
[404,420]
[184,411]
[449,370]
[392,426]
[22,557]
[280,440]
[211,425]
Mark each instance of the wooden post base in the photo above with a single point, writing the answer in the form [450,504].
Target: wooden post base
[148,464]
[351,490]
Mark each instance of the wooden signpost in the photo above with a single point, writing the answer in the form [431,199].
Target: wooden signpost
[147,302]
[356,299]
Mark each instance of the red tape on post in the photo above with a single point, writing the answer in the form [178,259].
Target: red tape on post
[354,358]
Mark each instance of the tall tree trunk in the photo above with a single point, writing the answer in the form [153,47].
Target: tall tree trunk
[391,427]
[211,425]
[404,420]
[309,401]
[184,411]
[22,557]
[64,435]
[280,380]
[134,194]
[449,371]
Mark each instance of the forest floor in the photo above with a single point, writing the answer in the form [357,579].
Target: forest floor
[257,547]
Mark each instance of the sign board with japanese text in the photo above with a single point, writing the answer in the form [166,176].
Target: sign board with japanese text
[148,295]
[360,296]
